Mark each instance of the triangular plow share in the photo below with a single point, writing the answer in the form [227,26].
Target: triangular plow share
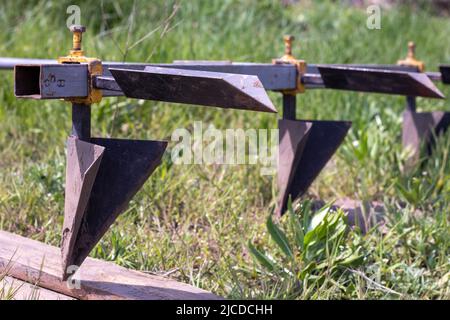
[83,161]
[304,150]
[103,175]
[420,129]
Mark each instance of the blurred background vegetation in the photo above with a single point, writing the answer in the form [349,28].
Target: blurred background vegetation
[207,225]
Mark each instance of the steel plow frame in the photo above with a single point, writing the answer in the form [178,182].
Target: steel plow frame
[103,175]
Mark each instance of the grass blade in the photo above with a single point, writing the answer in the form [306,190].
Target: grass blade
[261,257]
[279,237]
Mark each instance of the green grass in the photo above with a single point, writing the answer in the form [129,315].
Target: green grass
[196,222]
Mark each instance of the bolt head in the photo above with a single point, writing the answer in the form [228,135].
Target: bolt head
[77,28]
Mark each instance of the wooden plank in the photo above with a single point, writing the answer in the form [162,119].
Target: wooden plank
[21,290]
[36,262]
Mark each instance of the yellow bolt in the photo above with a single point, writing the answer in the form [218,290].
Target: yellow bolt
[288,39]
[411,58]
[77,31]
[411,50]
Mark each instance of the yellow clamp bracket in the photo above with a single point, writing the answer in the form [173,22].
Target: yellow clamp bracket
[411,58]
[95,68]
[288,58]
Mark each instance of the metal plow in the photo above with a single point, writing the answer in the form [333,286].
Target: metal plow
[419,128]
[102,174]
[95,197]
[304,150]
[306,146]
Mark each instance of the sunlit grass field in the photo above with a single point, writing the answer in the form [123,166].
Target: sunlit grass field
[205,225]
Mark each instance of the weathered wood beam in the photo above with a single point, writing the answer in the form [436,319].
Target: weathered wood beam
[15,289]
[39,263]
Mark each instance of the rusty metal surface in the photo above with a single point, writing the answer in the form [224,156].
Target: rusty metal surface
[445,73]
[195,87]
[124,168]
[379,81]
[83,161]
[305,148]
[419,129]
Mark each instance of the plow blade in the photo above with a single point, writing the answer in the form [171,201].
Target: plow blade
[213,89]
[304,150]
[420,129]
[379,81]
[83,161]
[107,173]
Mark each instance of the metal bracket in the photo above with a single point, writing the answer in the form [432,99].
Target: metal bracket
[300,65]
[95,68]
